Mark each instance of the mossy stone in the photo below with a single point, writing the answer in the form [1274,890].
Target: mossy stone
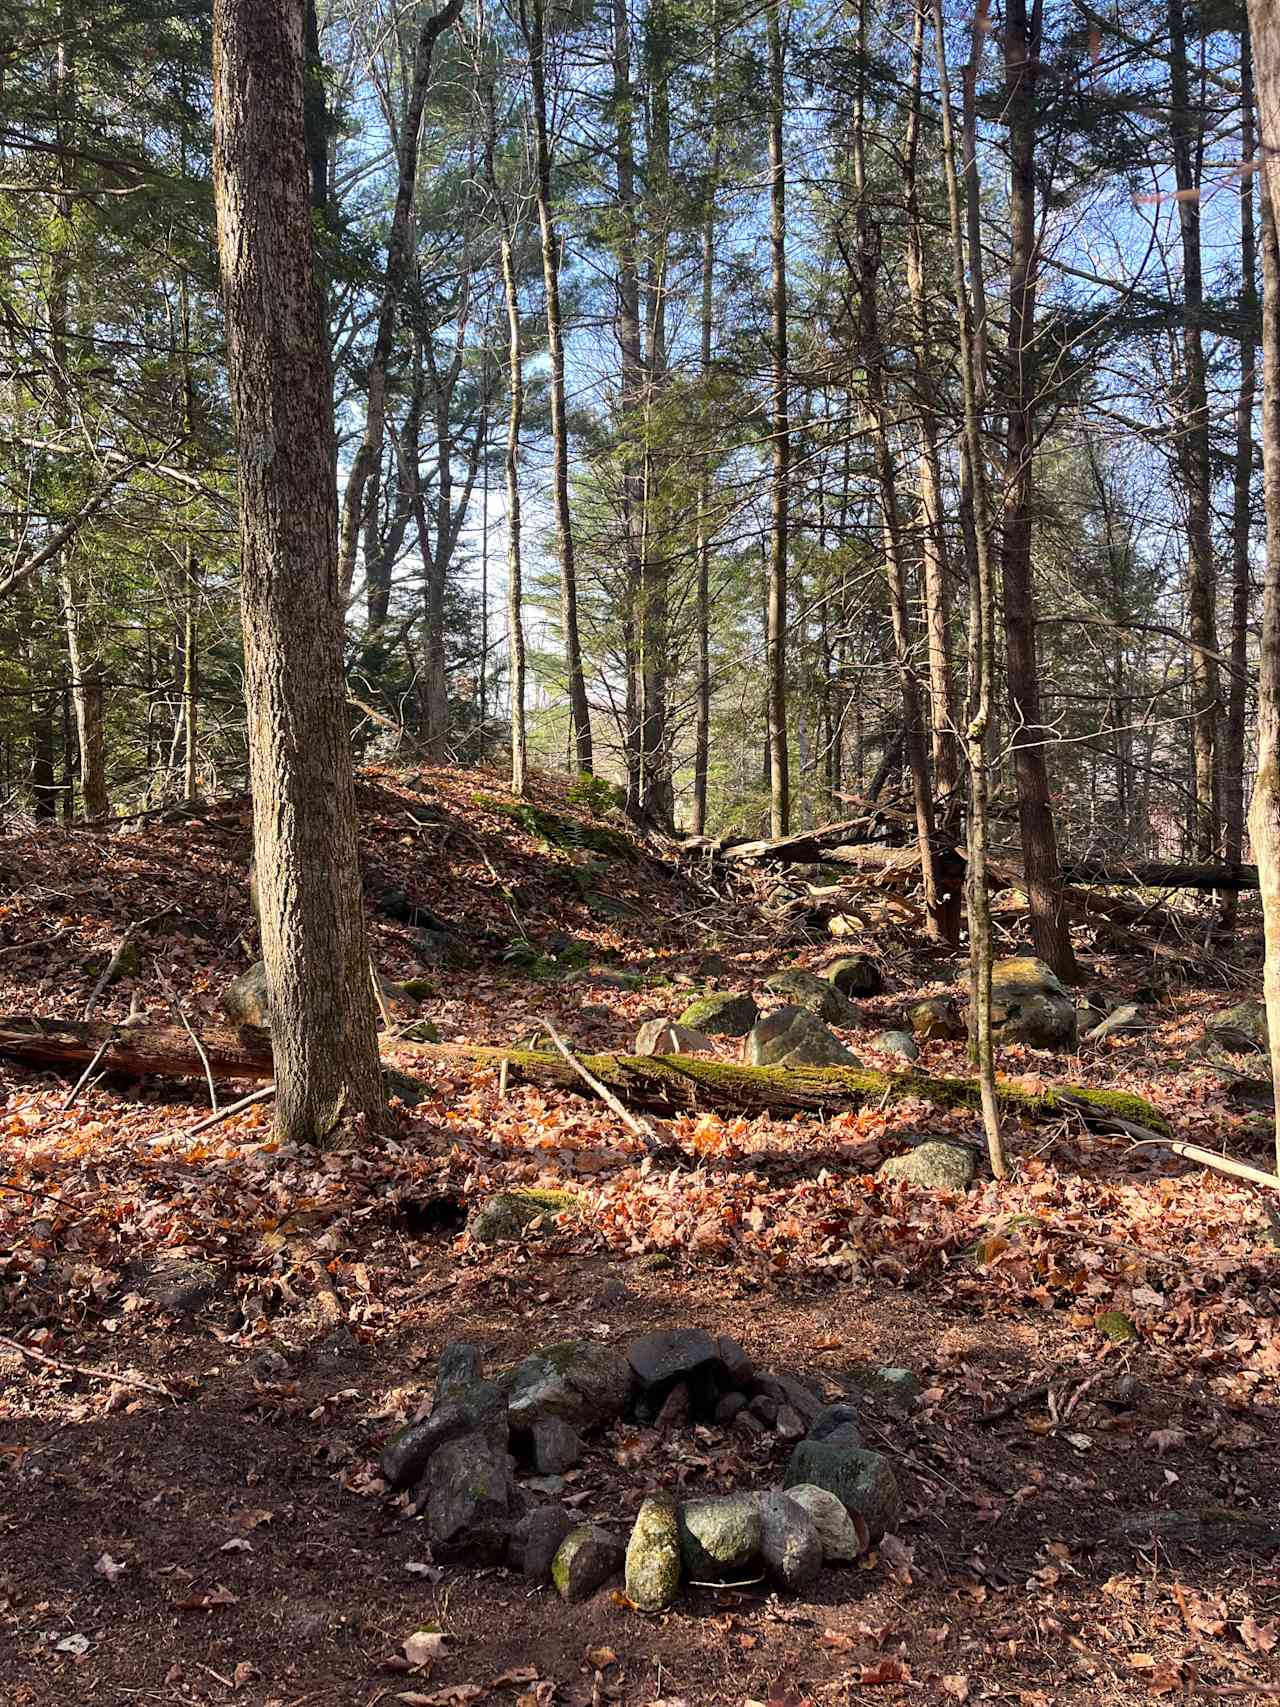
[653,1555]
[726,1013]
[861,1480]
[935,1163]
[411,1091]
[719,1537]
[506,1215]
[1115,1326]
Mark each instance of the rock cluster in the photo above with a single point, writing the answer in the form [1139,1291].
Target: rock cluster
[461,1460]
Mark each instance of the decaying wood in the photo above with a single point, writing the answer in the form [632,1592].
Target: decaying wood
[1151,874]
[1210,1159]
[1215,1527]
[660,1082]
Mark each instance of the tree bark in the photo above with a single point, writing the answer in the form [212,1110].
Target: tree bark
[780,434]
[1264,812]
[312,923]
[1049,926]
[702,711]
[533,17]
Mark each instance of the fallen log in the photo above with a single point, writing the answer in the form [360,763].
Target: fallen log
[1151,874]
[1218,1528]
[663,1082]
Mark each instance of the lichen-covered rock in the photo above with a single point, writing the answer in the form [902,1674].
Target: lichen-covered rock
[719,1536]
[556,1446]
[535,1541]
[899,1387]
[507,1214]
[841,1544]
[1239,1029]
[669,1037]
[586,1558]
[935,1163]
[900,1043]
[667,1355]
[806,990]
[862,1481]
[652,1578]
[936,1020]
[810,1044]
[789,1542]
[724,1013]
[764,1041]
[1030,1005]
[472,1502]
[582,1383]
[855,975]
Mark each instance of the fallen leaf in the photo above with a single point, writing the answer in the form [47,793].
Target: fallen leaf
[887,1670]
[957,1686]
[599,1658]
[423,1647]
[1258,1638]
[111,1569]
[517,1675]
[76,1645]
[836,1641]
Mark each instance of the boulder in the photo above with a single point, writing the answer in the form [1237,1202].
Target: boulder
[407,1454]
[719,1536]
[728,1407]
[460,1364]
[806,990]
[1240,1029]
[900,1043]
[761,1045]
[937,1020]
[789,1542]
[806,1043]
[506,1215]
[669,1037]
[535,1541]
[855,975]
[670,1354]
[726,1013]
[1029,1005]
[587,1557]
[935,1163]
[837,1534]
[580,1382]
[244,1001]
[472,1502]
[862,1481]
[556,1446]
[652,1578]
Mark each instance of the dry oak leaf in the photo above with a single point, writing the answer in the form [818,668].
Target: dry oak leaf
[1258,1638]
[887,1670]
[423,1646]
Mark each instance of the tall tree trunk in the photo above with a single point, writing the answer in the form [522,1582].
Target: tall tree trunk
[942,923]
[369,452]
[702,712]
[1049,926]
[979,552]
[948,756]
[1242,507]
[533,27]
[312,923]
[1264,812]
[780,433]
[1193,449]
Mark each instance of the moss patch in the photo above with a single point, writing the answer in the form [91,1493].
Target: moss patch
[558,831]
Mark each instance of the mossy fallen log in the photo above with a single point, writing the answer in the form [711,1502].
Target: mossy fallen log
[684,1082]
[666,1083]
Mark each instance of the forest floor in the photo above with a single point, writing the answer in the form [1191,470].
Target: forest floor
[233,1543]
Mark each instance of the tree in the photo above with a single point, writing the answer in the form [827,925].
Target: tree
[313,935]
[780,439]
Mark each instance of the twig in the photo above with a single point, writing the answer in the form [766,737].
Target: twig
[1028,1396]
[230,1109]
[39,942]
[1207,1158]
[200,1048]
[84,1369]
[378,996]
[84,1078]
[632,1122]
[109,971]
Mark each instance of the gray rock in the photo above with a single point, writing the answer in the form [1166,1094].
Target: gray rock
[833,1417]
[897,1043]
[587,1557]
[244,1001]
[675,1408]
[729,1406]
[789,1423]
[506,1215]
[937,1019]
[535,1541]
[726,1013]
[460,1364]
[1128,1018]
[181,1288]
[408,1452]
[786,1390]
[935,1163]
[812,1045]
[765,1409]
[556,1447]
[719,1537]
[1029,1005]
[669,1037]
[578,1381]
[839,1538]
[671,1354]
[763,1040]
[900,1387]
[472,1502]
[855,975]
[738,1366]
[805,990]
[1240,1029]
[789,1542]
[652,1578]
[862,1481]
